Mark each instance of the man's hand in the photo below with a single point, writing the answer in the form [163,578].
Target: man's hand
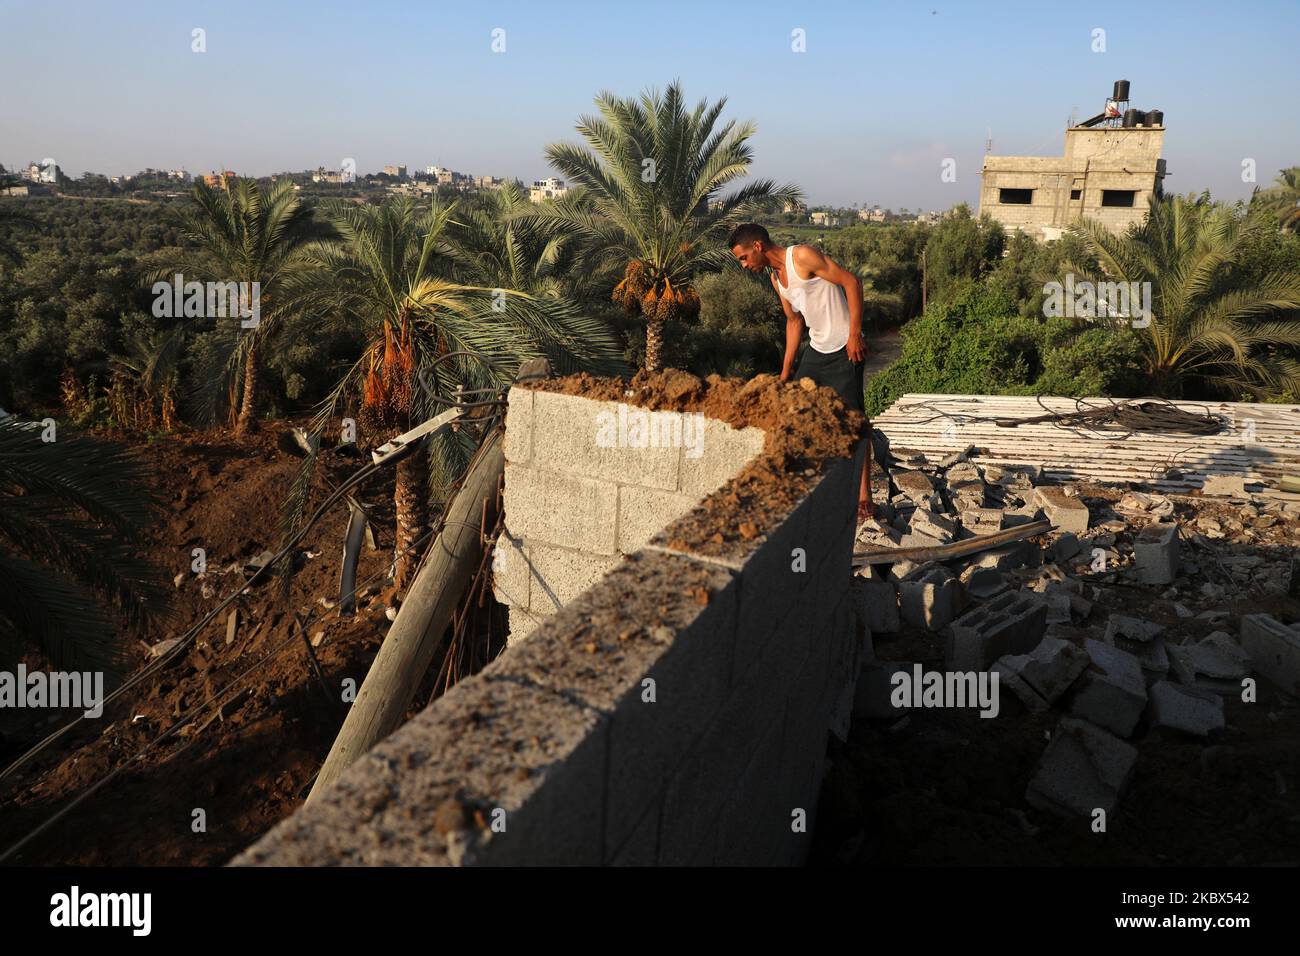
[857,348]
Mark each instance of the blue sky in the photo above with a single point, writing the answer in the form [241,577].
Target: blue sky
[883,93]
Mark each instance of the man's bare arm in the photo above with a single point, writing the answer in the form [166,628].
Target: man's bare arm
[808,258]
[793,333]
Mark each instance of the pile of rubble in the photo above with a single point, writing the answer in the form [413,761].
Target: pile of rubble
[1053,614]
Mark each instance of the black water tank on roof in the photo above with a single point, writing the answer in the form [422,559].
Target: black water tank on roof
[1131,118]
[1121,90]
[1155,118]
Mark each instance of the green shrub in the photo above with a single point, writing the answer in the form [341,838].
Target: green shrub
[978,344]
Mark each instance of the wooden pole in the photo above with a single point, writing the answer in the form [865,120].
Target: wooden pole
[408,650]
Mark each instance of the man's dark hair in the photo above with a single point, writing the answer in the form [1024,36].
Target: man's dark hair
[746,233]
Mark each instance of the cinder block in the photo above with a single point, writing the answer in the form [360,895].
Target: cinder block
[1050,668]
[876,602]
[834,500]
[1012,623]
[552,508]
[1274,649]
[510,574]
[1114,693]
[1083,769]
[1156,553]
[723,453]
[1216,663]
[756,827]
[686,655]
[770,583]
[1067,513]
[558,575]
[519,426]
[644,512]
[1006,558]
[928,597]
[915,485]
[522,622]
[580,436]
[491,745]
[642,847]
[1185,710]
[983,584]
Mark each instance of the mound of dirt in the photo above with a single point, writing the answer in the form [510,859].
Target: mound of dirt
[805,426]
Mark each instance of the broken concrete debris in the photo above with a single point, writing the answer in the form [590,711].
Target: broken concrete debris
[1180,708]
[1274,648]
[1084,769]
[1156,553]
[929,597]
[1151,572]
[1048,670]
[1113,692]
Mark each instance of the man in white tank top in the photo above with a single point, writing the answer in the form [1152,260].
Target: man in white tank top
[817,293]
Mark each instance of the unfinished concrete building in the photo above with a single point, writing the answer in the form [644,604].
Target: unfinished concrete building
[1110,172]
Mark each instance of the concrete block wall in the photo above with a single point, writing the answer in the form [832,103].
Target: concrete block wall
[677,712]
[573,508]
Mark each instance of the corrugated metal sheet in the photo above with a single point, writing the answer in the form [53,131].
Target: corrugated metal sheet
[1258,442]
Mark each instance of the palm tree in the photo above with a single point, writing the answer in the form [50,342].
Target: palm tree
[245,232]
[1208,319]
[1282,198]
[504,246]
[71,513]
[385,280]
[650,202]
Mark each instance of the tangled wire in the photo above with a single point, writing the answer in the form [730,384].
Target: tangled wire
[1116,419]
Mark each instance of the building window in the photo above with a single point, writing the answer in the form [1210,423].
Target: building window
[1118,197]
[1076,194]
[1016,197]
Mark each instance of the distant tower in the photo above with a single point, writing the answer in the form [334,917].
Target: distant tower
[988,143]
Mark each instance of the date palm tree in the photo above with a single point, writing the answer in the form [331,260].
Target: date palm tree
[650,198]
[72,513]
[1209,319]
[1282,198]
[504,246]
[386,279]
[244,232]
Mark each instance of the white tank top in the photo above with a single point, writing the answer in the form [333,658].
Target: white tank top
[823,304]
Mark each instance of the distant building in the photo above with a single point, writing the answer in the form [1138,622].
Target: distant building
[824,218]
[221,180]
[795,208]
[396,171]
[1111,171]
[489,182]
[323,175]
[872,215]
[47,172]
[543,189]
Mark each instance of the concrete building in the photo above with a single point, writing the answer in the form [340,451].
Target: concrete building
[1110,172]
[43,172]
[543,189]
[222,179]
